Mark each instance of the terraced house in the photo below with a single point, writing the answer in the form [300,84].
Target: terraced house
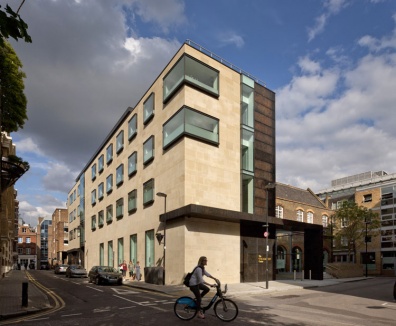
[183,174]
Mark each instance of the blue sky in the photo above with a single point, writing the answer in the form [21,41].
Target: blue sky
[332,64]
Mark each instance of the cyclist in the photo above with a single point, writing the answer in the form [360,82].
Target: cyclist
[197,283]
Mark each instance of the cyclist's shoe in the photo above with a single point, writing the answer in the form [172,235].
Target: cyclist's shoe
[201,315]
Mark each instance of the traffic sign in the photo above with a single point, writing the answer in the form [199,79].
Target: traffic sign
[266,234]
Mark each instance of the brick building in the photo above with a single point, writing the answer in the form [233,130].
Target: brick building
[27,246]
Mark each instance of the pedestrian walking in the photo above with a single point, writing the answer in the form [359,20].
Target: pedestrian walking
[137,271]
[124,268]
[131,268]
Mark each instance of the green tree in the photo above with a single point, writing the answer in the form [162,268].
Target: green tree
[12,98]
[12,25]
[350,223]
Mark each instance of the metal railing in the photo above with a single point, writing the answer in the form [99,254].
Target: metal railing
[224,62]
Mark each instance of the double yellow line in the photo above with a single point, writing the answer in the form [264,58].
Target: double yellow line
[59,303]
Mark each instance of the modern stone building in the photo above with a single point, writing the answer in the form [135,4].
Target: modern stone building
[44,237]
[375,191]
[187,172]
[58,240]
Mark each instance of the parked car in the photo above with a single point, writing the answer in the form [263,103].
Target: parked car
[104,275]
[60,269]
[76,271]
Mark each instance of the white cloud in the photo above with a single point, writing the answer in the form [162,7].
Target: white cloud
[227,38]
[59,178]
[27,145]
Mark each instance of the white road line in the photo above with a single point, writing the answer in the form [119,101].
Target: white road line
[127,307]
[76,283]
[72,315]
[29,320]
[94,289]
[101,310]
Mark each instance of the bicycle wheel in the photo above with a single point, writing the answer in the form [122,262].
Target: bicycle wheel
[226,309]
[185,308]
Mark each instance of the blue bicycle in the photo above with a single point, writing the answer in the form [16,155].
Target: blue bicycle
[225,309]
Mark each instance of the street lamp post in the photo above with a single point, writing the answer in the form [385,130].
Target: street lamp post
[161,194]
[268,186]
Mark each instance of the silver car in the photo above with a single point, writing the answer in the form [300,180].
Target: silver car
[76,271]
[60,269]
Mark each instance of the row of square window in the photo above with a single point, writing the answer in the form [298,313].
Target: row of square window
[148,198]
[187,70]
[300,216]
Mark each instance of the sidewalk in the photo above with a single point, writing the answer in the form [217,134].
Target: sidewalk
[11,291]
[11,296]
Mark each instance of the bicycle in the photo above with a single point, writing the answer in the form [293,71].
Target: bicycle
[185,307]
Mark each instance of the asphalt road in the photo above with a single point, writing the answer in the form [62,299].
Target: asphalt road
[368,302]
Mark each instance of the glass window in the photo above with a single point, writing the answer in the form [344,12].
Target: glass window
[101,254]
[148,109]
[247,105]
[132,127]
[247,150]
[193,72]
[120,246]
[132,199]
[109,213]
[120,208]
[120,174]
[27,251]
[148,192]
[93,222]
[93,172]
[110,254]
[188,122]
[310,217]
[109,154]
[120,142]
[300,215]
[100,163]
[279,212]
[132,164]
[367,198]
[109,183]
[133,248]
[93,197]
[247,193]
[27,239]
[149,249]
[148,150]
[100,218]
[20,240]
[100,191]
[325,221]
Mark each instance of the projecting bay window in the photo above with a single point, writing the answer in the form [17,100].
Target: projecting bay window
[190,123]
[148,192]
[120,142]
[93,197]
[132,199]
[109,213]
[120,208]
[93,172]
[100,191]
[132,127]
[109,154]
[120,175]
[148,150]
[100,218]
[148,109]
[191,72]
[100,163]
[109,183]
[132,164]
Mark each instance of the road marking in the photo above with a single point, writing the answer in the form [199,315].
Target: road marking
[388,306]
[123,291]
[94,289]
[141,303]
[101,310]
[72,315]
[127,307]
[76,283]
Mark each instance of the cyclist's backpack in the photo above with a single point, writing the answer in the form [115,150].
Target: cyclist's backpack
[187,278]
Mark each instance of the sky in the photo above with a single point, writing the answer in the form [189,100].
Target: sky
[331,63]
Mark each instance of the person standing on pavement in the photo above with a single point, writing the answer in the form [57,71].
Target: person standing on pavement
[124,268]
[131,268]
[137,270]
[197,283]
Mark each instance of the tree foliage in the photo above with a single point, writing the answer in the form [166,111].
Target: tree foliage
[12,25]
[351,221]
[12,98]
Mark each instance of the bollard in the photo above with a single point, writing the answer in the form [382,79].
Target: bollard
[295,274]
[302,275]
[24,294]
[310,274]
